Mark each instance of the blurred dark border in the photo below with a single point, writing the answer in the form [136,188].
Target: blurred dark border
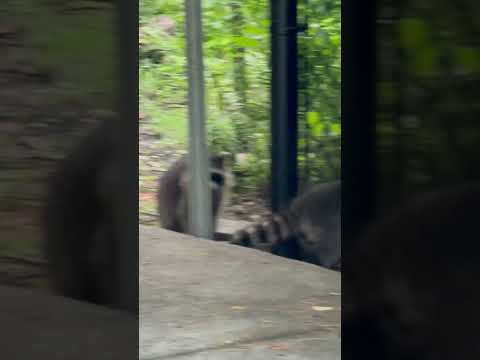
[410,80]
[35,323]
[358,118]
[358,124]
[128,21]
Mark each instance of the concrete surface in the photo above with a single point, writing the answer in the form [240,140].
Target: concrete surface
[201,299]
[42,326]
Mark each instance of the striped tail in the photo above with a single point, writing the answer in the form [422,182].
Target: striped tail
[265,236]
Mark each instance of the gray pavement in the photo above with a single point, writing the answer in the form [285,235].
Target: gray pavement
[43,326]
[201,299]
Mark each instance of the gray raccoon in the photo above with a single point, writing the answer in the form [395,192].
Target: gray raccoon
[172,192]
[82,228]
[410,288]
[309,230]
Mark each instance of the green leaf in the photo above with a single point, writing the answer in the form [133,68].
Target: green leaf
[335,40]
[245,41]
[318,129]
[312,118]
[255,30]
[336,129]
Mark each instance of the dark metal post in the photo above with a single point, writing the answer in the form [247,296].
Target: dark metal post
[284,102]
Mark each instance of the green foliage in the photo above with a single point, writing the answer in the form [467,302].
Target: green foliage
[320,91]
[221,136]
[170,123]
[86,43]
[254,173]
[236,45]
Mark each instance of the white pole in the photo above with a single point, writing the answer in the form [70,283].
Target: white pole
[200,203]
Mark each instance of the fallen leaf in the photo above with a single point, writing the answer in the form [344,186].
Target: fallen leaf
[322,308]
[279,347]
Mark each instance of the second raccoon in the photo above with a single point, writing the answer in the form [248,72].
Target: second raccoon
[309,230]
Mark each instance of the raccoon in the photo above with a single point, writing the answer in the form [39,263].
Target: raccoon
[410,289]
[309,230]
[83,231]
[173,190]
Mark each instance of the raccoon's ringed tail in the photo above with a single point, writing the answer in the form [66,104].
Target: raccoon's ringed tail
[246,237]
[264,236]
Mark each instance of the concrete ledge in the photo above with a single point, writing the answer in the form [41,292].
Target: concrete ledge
[41,326]
[201,299]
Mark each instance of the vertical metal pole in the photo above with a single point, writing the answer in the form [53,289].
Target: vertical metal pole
[284,102]
[200,203]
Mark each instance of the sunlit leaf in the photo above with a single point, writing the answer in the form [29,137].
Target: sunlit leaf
[336,129]
[255,30]
[312,118]
[245,41]
[318,129]
[335,40]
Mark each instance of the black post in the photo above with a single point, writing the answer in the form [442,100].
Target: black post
[284,102]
